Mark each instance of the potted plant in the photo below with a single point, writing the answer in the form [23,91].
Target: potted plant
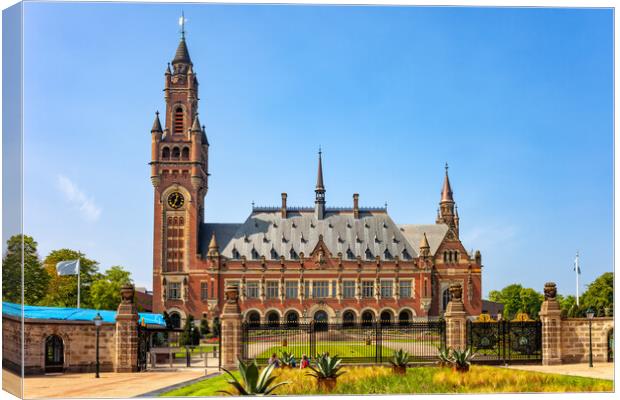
[444,356]
[287,360]
[253,382]
[399,362]
[461,360]
[284,342]
[326,370]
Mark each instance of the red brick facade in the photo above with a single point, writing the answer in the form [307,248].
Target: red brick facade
[299,263]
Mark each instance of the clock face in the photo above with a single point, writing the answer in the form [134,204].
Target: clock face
[176,200]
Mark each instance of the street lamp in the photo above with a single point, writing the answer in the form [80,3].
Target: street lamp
[98,321]
[590,315]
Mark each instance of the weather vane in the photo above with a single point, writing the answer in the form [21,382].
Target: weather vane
[182,21]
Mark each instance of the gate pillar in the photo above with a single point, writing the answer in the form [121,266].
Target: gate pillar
[550,317]
[231,344]
[456,319]
[126,336]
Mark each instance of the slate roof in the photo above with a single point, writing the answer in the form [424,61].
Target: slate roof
[266,233]
[182,54]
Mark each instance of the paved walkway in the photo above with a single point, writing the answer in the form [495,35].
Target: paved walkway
[599,370]
[109,385]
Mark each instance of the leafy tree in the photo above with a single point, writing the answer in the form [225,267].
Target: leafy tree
[600,294]
[35,276]
[204,327]
[190,335]
[217,326]
[62,291]
[516,298]
[566,304]
[105,292]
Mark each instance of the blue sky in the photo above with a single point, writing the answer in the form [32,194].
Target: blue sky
[517,101]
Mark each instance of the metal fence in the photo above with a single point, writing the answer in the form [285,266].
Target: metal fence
[166,352]
[499,342]
[353,342]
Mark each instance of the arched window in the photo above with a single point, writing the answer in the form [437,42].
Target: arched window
[386,318]
[165,153]
[292,319]
[404,318]
[176,153]
[175,320]
[445,298]
[350,254]
[320,321]
[368,254]
[253,318]
[255,255]
[178,120]
[367,318]
[348,318]
[235,253]
[185,155]
[274,254]
[273,319]
[293,254]
[54,354]
[406,255]
[387,255]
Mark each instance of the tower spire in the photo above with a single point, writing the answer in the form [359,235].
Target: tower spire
[447,213]
[319,191]
[446,191]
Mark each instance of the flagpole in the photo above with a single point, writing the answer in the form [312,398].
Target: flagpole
[577,271]
[78,282]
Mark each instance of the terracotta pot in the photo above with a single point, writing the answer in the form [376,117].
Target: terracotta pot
[399,370]
[327,384]
[284,343]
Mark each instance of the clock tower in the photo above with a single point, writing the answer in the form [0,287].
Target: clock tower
[179,173]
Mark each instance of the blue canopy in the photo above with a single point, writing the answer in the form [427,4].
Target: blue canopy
[72,314]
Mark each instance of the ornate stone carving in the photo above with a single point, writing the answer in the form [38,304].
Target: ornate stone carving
[127,293]
[456,292]
[232,294]
[550,291]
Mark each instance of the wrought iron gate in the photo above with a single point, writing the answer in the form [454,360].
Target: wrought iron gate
[353,342]
[503,342]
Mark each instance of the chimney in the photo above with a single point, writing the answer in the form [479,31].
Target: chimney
[356,205]
[283,209]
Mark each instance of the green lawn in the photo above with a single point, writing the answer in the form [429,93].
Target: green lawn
[352,350]
[196,350]
[419,380]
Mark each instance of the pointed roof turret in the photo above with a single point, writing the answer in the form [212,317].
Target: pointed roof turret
[319,178]
[156,124]
[182,54]
[424,242]
[213,248]
[196,125]
[446,191]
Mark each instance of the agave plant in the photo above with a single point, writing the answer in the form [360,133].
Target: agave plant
[400,358]
[253,382]
[444,356]
[461,359]
[326,369]
[287,359]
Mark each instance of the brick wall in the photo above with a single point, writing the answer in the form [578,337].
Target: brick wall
[78,340]
[11,344]
[575,340]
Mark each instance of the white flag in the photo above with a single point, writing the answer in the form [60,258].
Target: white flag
[576,267]
[70,267]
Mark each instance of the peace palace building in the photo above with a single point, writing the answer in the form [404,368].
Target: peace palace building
[290,264]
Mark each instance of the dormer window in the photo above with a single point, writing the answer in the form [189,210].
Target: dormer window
[293,254]
[274,254]
[406,255]
[368,254]
[255,255]
[235,254]
[350,254]
[178,120]
[387,255]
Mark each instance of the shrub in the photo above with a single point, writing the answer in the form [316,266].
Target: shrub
[326,367]
[253,381]
[400,358]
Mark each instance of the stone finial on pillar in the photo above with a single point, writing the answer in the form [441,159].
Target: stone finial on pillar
[126,336]
[550,317]
[456,319]
[283,207]
[231,334]
[356,205]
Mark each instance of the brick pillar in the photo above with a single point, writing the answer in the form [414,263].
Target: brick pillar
[231,335]
[126,336]
[551,327]
[456,319]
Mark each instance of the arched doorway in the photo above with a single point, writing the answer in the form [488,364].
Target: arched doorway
[404,318]
[273,319]
[175,320]
[54,354]
[445,298]
[368,318]
[320,321]
[292,319]
[348,318]
[253,318]
[386,318]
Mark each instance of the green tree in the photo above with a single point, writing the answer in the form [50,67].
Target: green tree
[105,292]
[62,291]
[600,294]
[516,298]
[191,334]
[35,276]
